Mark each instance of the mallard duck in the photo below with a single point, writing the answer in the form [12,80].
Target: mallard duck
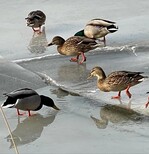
[28,100]
[74,46]
[116,81]
[98,28]
[146,105]
[35,20]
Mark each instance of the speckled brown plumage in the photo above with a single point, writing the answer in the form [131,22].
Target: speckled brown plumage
[74,46]
[36,19]
[116,81]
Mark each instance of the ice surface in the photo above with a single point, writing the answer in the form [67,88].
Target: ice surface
[85,124]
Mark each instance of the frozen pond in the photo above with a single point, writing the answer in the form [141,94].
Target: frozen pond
[89,120]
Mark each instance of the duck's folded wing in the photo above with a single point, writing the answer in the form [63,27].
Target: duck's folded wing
[117,78]
[84,40]
[100,22]
[124,77]
[21,93]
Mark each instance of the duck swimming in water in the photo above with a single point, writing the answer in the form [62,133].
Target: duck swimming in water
[116,81]
[35,20]
[28,100]
[74,46]
[98,28]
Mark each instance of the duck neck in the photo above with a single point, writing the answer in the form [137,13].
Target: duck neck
[60,46]
[46,101]
[101,77]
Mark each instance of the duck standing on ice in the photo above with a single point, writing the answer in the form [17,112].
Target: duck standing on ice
[28,100]
[116,81]
[74,46]
[35,20]
[98,28]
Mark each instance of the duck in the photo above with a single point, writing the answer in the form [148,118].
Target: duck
[28,100]
[98,28]
[35,20]
[116,81]
[146,105]
[74,46]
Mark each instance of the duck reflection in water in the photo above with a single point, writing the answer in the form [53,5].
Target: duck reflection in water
[61,93]
[30,129]
[116,115]
[72,73]
[38,42]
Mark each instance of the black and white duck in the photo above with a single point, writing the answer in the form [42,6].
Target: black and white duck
[28,100]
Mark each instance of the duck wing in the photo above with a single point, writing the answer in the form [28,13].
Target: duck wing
[124,77]
[21,93]
[84,40]
[100,22]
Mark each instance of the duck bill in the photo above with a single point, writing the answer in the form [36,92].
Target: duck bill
[55,107]
[89,77]
[50,44]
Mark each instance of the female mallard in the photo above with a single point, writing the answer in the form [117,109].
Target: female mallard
[74,46]
[35,20]
[98,28]
[116,81]
[28,100]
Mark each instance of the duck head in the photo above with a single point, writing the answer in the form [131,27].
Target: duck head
[48,102]
[98,72]
[32,19]
[57,40]
[35,18]
[80,33]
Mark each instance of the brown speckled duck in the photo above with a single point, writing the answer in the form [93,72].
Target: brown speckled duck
[28,100]
[35,20]
[116,81]
[98,28]
[74,46]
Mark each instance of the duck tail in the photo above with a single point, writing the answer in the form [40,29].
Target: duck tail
[112,28]
[142,78]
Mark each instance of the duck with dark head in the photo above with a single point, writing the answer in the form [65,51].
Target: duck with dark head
[98,28]
[35,20]
[28,100]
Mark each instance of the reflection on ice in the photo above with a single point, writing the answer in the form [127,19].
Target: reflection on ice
[115,114]
[62,92]
[30,129]
[38,42]
[72,73]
